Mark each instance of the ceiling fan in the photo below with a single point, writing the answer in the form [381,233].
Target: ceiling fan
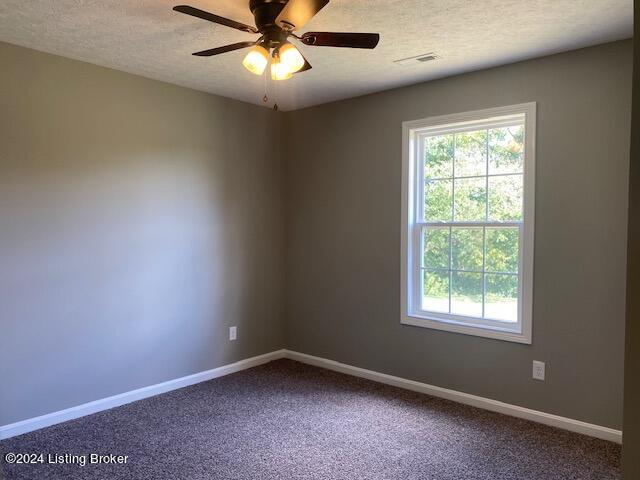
[276,21]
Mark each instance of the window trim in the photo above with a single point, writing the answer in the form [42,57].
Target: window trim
[410,132]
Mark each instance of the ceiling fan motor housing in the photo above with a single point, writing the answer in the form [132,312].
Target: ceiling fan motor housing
[265,13]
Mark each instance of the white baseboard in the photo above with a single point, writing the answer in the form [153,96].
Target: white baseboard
[577,426]
[31,424]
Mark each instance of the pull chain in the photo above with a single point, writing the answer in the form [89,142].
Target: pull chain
[265,99]
[275,95]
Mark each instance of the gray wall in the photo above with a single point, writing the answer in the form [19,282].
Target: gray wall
[343,282]
[138,221]
[631,448]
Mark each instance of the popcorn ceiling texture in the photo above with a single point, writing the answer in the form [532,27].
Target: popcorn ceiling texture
[147,38]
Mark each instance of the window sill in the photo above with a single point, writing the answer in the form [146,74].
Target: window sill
[454,327]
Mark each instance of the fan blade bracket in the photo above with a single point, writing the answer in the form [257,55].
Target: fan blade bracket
[309,39]
[289,27]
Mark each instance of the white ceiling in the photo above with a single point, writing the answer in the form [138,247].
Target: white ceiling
[147,38]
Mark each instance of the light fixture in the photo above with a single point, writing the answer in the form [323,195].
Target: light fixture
[291,57]
[279,70]
[276,22]
[256,60]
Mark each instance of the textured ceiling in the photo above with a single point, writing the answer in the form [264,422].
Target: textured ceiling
[147,38]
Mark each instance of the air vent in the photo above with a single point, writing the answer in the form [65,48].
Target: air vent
[427,57]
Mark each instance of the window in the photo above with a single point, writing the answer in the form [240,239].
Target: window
[467,232]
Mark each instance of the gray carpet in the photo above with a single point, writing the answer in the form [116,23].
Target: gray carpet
[285,420]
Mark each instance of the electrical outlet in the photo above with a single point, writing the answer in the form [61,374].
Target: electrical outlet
[233,333]
[538,370]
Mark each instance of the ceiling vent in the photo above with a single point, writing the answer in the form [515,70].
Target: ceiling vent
[427,57]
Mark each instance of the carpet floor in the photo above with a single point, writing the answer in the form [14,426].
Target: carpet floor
[286,420]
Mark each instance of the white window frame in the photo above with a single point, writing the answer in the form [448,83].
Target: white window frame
[412,205]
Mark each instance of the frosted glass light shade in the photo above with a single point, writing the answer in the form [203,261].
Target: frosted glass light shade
[256,60]
[291,57]
[279,70]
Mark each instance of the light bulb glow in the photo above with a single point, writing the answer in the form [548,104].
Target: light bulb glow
[256,60]
[291,57]
[279,70]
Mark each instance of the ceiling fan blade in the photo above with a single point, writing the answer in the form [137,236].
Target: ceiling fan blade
[227,48]
[296,13]
[347,40]
[196,12]
[305,67]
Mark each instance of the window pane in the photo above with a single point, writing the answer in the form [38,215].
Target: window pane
[501,297]
[502,250]
[471,153]
[435,293]
[436,248]
[437,200]
[470,201]
[466,248]
[438,162]
[466,294]
[506,147]
[505,198]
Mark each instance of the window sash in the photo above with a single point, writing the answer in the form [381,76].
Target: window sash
[415,134]
[421,181]
[418,268]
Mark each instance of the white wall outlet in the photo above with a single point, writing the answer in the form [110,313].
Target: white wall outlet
[538,370]
[233,333]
